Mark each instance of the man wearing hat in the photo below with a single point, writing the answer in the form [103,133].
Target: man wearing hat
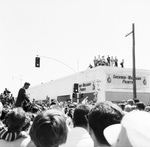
[22,95]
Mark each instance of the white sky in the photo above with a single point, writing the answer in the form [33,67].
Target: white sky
[71,31]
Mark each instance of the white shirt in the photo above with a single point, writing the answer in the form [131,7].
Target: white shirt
[78,137]
[21,142]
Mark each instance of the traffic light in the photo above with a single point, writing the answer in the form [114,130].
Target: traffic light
[75,87]
[37,61]
[74,95]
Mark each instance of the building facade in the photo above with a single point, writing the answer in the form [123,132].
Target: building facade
[99,83]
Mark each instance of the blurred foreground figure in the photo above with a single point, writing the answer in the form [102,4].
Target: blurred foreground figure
[134,130]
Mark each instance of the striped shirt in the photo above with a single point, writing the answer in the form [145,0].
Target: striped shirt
[7,135]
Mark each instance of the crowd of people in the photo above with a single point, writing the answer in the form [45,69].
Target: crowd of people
[109,61]
[52,124]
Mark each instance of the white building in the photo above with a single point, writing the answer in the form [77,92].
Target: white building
[101,82]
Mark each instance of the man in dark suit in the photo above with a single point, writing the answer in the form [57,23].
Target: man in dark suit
[22,95]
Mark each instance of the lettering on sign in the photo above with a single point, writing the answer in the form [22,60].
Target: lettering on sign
[126,79]
[82,89]
[88,86]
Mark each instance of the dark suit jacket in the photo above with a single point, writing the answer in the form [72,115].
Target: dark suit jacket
[21,97]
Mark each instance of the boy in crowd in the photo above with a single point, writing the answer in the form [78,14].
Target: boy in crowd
[49,129]
[15,120]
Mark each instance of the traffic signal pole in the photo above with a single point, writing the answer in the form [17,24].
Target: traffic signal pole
[38,56]
[37,64]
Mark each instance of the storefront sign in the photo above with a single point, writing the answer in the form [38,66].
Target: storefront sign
[125,79]
[87,86]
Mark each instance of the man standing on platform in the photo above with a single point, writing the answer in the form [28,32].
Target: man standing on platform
[22,96]
[122,63]
[116,62]
[108,60]
[95,61]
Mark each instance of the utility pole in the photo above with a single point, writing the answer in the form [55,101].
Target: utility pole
[133,60]
[134,68]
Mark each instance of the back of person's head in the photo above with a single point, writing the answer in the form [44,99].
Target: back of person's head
[130,102]
[121,105]
[49,129]
[128,108]
[15,119]
[79,115]
[147,108]
[101,116]
[136,100]
[140,106]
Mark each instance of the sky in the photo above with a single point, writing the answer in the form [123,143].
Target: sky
[67,34]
